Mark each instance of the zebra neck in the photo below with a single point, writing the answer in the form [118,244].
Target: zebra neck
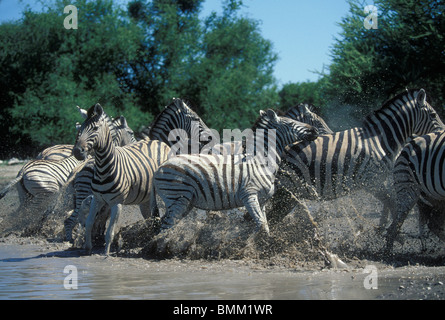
[268,150]
[106,149]
[391,129]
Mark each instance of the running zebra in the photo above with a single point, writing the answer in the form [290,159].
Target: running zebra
[122,175]
[217,182]
[38,182]
[177,115]
[122,135]
[419,177]
[337,164]
[302,112]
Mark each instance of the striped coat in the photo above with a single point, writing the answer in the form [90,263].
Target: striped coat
[359,158]
[217,182]
[178,117]
[121,135]
[419,177]
[122,175]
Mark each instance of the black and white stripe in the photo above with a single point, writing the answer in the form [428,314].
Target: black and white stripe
[179,127]
[38,183]
[62,151]
[57,152]
[218,182]
[122,135]
[122,175]
[337,164]
[304,112]
[419,177]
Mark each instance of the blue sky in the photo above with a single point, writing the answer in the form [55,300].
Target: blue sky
[302,31]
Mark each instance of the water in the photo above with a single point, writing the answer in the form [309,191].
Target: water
[30,272]
[34,269]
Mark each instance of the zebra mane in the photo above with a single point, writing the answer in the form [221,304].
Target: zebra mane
[178,104]
[91,114]
[260,118]
[390,101]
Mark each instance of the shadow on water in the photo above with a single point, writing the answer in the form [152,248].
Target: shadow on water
[69,253]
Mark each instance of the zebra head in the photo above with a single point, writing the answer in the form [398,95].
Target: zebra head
[178,120]
[88,133]
[304,113]
[427,118]
[123,133]
[288,131]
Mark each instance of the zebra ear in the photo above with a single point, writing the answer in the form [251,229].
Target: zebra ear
[272,115]
[98,109]
[83,112]
[123,122]
[421,97]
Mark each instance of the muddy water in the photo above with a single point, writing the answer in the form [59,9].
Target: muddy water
[36,271]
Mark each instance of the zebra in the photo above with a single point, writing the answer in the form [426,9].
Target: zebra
[304,112]
[57,152]
[38,182]
[178,115]
[217,182]
[337,164]
[122,175]
[122,135]
[419,174]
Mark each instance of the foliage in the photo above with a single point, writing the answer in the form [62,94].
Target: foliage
[47,70]
[301,92]
[405,51]
[134,60]
[222,64]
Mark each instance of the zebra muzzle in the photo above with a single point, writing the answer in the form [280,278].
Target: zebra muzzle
[79,153]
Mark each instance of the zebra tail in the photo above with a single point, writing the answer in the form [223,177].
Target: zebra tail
[11,184]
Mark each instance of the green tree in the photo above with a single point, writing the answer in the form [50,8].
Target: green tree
[235,73]
[405,51]
[133,62]
[301,92]
[222,64]
[47,70]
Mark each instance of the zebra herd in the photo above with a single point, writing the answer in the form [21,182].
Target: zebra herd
[397,154]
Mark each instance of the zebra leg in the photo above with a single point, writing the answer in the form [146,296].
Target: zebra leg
[96,205]
[115,212]
[69,224]
[150,208]
[406,198]
[175,210]
[387,198]
[79,215]
[425,212]
[253,207]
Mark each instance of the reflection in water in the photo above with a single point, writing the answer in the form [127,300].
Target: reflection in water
[27,274]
